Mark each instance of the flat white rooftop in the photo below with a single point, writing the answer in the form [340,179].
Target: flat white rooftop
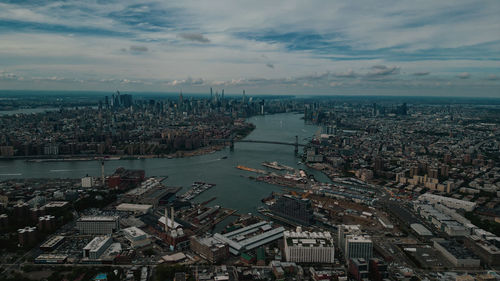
[98,218]
[97,243]
[134,232]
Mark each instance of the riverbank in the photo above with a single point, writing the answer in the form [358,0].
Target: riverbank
[109,157]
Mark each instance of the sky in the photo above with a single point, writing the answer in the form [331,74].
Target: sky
[428,48]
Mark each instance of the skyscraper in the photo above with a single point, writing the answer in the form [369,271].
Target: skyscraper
[294,209]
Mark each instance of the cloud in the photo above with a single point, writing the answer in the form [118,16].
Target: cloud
[138,49]
[8,76]
[382,70]
[493,77]
[348,74]
[230,42]
[464,75]
[423,73]
[187,82]
[195,37]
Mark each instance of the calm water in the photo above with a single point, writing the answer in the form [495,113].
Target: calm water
[232,190]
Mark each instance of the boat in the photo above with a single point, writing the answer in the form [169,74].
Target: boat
[272,165]
[197,188]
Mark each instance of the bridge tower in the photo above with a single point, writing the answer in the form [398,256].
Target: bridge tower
[296,149]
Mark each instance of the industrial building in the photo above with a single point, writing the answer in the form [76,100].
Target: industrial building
[174,234]
[51,258]
[210,248]
[293,208]
[136,237]
[150,192]
[304,246]
[457,254]
[420,229]
[250,237]
[134,208]
[488,249]
[52,243]
[449,202]
[98,224]
[95,248]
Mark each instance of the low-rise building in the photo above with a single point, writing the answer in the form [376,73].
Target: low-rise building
[136,237]
[457,254]
[210,248]
[98,224]
[250,237]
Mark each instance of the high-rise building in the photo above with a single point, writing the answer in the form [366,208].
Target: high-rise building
[359,269]
[293,208]
[354,243]
[358,246]
[345,230]
[378,270]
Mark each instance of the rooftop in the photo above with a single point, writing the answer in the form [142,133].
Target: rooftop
[97,243]
[52,241]
[134,232]
[98,218]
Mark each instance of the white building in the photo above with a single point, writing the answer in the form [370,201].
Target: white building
[135,208]
[344,230]
[448,202]
[88,182]
[309,246]
[94,249]
[136,236]
[98,224]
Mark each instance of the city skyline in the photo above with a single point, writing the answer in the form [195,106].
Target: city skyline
[450,48]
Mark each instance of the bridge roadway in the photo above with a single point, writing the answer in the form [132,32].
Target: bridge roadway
[260,141]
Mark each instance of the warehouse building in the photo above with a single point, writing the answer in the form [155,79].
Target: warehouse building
[457,254]
[52,243]
[420,229]
[51,258]
[250,237]
[448,202]
[134,208]
[304,246]
[98,224]
[210,248]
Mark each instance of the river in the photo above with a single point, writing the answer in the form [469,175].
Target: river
[232,189]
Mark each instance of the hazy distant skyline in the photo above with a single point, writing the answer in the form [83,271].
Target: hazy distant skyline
[441,48]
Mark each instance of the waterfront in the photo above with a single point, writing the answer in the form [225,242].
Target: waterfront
[233,190]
